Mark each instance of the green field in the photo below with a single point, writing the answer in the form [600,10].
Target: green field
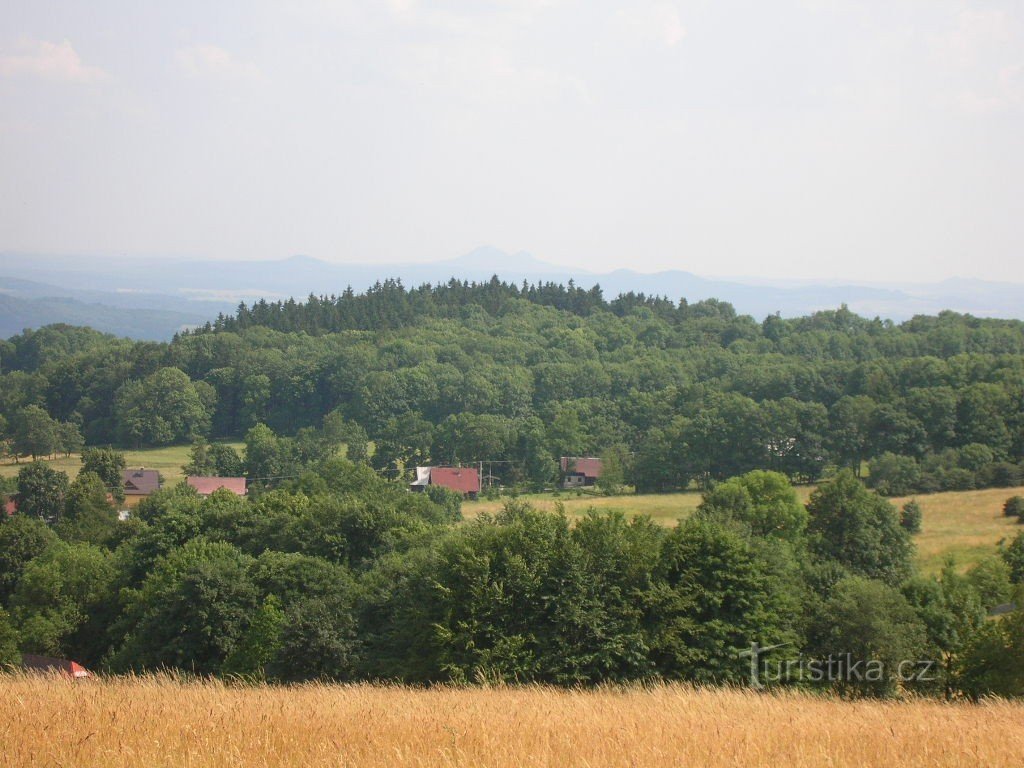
[167,461]
[966,525]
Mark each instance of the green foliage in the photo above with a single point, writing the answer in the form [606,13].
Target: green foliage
[1014,507]
[872,622]
[34,432]
[1013,556]
[990,576]
[22,538]
[894,475]
[88,515]
[994,662]
[714,594]
[192,610]
[163,408]
[216,460]
[763,501]
[447,499]
[41,491]
[859,529]
[108,464]
[952,609]
[69,438]
[260,643]
[9,655]
[61,600]
[317,641]
[911,517]
[615,467]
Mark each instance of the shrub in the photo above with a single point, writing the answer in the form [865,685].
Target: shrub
[1003,474]
[1014,507]
[910,517]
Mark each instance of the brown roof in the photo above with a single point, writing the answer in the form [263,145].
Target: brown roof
[463,479]
[207,485]
[140,482]
[589,467]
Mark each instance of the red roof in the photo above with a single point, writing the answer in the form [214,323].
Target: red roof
[589,467]
[463,479]
[207,485]
[66,667]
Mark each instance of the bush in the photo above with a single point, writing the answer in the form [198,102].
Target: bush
[893,475]
[1014,507]
[1003,474]
[910,517]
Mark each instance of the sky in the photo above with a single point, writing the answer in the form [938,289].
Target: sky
[792,139]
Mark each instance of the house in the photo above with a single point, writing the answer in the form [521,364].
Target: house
[465,480]
[207,485]
[580,471]
[67,668]
[140,482]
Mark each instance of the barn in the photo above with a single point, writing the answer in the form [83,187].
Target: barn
[464,480]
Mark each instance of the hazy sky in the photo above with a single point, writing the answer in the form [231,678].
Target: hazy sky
[796,138]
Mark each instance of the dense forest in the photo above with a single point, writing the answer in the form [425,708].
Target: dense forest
[679,393]
[331,569]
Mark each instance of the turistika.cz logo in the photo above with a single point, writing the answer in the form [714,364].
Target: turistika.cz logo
[836,668]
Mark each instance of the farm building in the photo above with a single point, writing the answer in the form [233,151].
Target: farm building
[207,485]
[580,471]
[465,480]
[69,669]
[140,482]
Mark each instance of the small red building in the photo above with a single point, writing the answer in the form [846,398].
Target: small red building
[465,480]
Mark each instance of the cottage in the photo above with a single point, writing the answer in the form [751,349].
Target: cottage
[465,480]
[207,485]
[580,471]
[140,482]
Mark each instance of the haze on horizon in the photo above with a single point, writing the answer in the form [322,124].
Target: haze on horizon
[799,139]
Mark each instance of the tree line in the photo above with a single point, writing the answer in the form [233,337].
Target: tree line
[683,393]
[338,574]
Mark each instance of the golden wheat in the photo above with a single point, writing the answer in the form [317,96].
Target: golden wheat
[162,721]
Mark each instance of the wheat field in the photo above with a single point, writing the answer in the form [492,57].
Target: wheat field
[162,721]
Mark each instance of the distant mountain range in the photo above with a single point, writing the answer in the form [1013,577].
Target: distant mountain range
[152,299]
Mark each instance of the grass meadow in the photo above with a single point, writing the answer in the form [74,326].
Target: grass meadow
[161,721]
[168,461]
[964,525]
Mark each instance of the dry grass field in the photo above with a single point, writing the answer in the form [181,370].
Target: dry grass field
[664,508]
[965,525]
[161,722]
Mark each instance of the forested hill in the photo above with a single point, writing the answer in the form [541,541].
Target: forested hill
[389,305]
[466,372]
